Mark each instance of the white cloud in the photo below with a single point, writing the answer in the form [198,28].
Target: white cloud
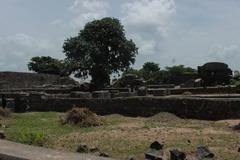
[56,22]
[17,50]
[225,53]
[87,10]
[148,22]
[221,52]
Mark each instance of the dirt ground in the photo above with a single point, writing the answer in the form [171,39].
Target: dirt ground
[121,136]
[132,136]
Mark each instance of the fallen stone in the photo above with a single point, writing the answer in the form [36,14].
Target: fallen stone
[155,152]
[2,135]
[102,154]
[82,148]
[237,127]
[156,145]
[4,126]
[177,155]
[94,150]
[131,158]
[204,153]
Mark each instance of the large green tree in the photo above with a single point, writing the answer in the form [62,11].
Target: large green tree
[49,65]
[100,49]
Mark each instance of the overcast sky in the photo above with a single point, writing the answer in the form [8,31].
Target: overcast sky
[168,32]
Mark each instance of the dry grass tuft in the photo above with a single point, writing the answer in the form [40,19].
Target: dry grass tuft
[82,117]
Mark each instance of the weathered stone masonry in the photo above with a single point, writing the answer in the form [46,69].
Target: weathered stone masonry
[186,107]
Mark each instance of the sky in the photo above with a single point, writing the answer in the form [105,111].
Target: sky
[167,32]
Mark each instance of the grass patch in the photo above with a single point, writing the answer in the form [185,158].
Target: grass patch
[121,136]
[35,128]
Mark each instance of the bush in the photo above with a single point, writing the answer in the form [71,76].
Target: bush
[82,117]
[4,112]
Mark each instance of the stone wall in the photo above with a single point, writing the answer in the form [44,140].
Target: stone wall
[9,80]
[182,106]
[207,90]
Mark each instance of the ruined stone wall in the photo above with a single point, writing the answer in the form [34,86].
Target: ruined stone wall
[208,90]
[9,80]
[186,107]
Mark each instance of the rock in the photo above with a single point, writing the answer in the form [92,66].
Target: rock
[82,148]
[177,155]
[204,153]
[102,154]
[155,152]
[94,150]
[156,145]
[2,135]
[131,158]
[3,126]
[237,127]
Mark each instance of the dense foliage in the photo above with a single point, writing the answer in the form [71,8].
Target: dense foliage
[99,50]
[49,65]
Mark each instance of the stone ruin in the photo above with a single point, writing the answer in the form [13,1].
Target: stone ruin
[33,90]
[215,73]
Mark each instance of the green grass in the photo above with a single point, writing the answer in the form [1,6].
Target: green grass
[35,128]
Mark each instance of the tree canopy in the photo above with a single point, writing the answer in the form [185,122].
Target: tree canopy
[49,65]
[151,73]
[100,49]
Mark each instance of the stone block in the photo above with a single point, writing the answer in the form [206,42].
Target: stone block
[80,95]
[101,94]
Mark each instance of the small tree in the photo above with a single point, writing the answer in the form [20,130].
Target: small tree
[100,49]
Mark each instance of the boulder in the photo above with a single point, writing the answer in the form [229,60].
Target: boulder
[155,152]
[177,155]
[203,153]
[156,145]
